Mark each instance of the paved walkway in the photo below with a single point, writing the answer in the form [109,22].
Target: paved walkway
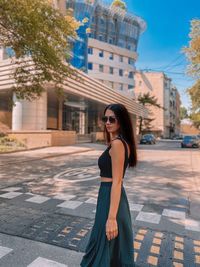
[42,153]
[21,252]
[49,205]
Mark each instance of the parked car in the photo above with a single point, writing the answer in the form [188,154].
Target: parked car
[148,139]
[190,141]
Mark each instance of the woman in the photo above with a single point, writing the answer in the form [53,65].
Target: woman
[111,239]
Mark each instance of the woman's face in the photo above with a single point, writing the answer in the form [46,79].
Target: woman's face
[112,127]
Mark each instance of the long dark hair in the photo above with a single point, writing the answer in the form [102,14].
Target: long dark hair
[125,130]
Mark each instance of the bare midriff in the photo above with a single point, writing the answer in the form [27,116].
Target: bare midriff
[106,179]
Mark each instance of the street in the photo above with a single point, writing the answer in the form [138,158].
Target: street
[48,201]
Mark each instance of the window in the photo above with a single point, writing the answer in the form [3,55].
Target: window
[100,38]
[131,61]
[130,75]
[101,68]
[91,35]
[111,57]
[90,50]
[120,72]
[101,53]
[102,21]
[110,40]
[111,70]
[130,86]
[121,59]
[90,66]
[121,86]
[112,26]
[121,43]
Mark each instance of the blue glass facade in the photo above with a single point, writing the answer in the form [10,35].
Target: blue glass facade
[82,11]
[106,25]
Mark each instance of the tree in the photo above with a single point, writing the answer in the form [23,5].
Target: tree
[193,54]
[195,117]
[35,30]
[119,4]
[147,100]
[183,113]
[193,50]
[194,93]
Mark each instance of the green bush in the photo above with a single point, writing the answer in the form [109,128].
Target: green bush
[2,134]
[8,141]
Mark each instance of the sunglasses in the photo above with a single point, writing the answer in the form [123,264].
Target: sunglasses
[108,118]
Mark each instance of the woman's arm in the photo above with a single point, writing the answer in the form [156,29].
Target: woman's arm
[117,157]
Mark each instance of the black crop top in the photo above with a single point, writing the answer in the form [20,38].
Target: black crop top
[104,161]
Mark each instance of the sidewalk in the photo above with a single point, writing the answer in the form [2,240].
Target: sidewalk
[21,252]
[41,153]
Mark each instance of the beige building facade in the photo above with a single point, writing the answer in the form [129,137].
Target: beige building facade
[113,66]
[166,121]
[78,113]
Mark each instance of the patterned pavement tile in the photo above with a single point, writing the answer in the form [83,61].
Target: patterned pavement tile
[192,225]
[4,251]
[10,195]
[43,262]
[38,199]
[11,189]
[165,219]
[174,214]
[135,207]
[70,204]
[64,196]
[91,200]
[148,217]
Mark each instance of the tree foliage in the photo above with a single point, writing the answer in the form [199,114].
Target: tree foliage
[35,30]
[193,55]
[183,113]
[195,117]
[194,93]
[147,100]
[119,4]
[193,50]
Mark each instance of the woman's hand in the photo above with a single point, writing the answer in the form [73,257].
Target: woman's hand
[111,228]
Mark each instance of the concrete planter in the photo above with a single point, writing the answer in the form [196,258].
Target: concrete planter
[37,139]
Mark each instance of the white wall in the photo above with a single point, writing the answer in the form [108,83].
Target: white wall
[30,115]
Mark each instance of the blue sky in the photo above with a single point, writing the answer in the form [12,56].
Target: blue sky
[168,26]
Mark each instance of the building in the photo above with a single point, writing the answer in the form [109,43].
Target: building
[166,121]
[109,50]
[50,121]
[79,112]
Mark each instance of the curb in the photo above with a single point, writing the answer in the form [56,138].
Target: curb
[21,150]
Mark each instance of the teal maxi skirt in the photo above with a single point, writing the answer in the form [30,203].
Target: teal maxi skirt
[117,252]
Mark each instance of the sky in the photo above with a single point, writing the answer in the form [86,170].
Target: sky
[168,27]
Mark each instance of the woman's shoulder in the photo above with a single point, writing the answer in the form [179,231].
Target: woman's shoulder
[116,144]
[117,140]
